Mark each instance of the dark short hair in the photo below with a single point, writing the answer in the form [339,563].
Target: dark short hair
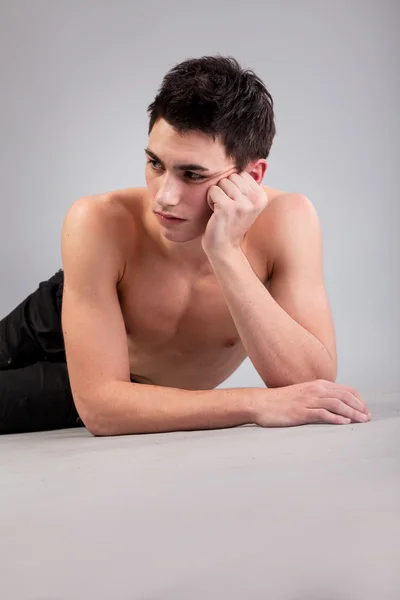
[213,94]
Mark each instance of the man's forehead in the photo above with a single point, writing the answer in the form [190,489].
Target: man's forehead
[189,147]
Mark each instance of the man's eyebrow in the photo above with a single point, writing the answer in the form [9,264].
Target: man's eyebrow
[184,167]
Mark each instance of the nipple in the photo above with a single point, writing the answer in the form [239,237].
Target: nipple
[230,342]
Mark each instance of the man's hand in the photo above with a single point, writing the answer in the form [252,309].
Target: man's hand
[237,201]
[312,402]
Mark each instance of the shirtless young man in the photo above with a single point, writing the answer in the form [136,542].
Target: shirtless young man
[156,313]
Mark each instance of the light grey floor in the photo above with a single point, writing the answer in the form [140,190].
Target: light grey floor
[305,513]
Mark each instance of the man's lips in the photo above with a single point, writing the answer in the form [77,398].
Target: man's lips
[168,216]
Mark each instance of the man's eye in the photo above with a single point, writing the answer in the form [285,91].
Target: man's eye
[152,163]
[193,176]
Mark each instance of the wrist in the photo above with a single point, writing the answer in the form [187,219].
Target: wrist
[224,255]
[254,401]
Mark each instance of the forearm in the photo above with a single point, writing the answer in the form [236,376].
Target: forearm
[129,408]
[282,351]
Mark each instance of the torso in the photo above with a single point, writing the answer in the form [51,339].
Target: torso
[180,332]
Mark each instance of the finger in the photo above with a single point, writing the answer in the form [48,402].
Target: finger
[239,182]
[360,398]
[229,187]
[355,393]
[338,406]
[352,393]
[321,415]
[250,180]
[353,398]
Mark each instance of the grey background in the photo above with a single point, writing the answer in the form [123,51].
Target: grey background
[76,79]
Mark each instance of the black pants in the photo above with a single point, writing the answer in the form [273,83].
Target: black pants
[35,393]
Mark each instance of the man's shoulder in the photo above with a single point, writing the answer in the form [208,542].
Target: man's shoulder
[280,216]
[125,199]
[118,208]
[281,208]
[280,202]
[112,216]
[116,212]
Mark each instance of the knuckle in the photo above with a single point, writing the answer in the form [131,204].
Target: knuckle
[321,414]
[309,393]
[351,390]
[348,396]
[317,382]
[354,392]
[315,388]
[336,404]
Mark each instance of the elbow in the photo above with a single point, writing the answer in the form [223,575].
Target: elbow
[327,373]
[98,428]
[94,421]
[278,380]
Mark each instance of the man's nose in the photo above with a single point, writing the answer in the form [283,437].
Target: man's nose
[169,193]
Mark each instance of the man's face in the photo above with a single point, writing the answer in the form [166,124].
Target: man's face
[173,186]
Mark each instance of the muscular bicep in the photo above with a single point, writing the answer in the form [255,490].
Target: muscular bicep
[93,326]
[297,281]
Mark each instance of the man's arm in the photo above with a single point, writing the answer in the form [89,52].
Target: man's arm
[287,331]
[96,346]
[98,363]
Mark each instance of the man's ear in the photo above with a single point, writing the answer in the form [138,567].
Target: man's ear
[258,169]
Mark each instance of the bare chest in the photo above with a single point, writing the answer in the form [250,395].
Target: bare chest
[181,316]
[179,330]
